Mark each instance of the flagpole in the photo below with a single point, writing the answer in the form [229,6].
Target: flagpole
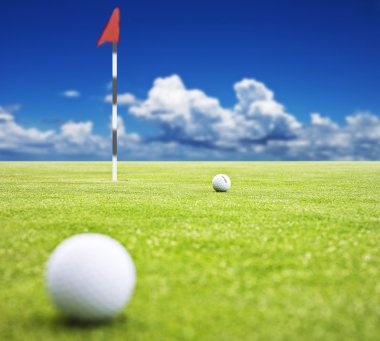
[111,34]
[114,112]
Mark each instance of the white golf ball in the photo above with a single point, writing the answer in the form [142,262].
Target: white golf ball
[221,183]
[90,277]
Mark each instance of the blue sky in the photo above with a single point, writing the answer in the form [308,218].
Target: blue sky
[315,56]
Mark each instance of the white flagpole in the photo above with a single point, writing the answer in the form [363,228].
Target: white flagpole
[114,112]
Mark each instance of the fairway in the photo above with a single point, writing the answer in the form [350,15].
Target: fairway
[290,252]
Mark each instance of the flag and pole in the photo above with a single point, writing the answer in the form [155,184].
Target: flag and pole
[111,34]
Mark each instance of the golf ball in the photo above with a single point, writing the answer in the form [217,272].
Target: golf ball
[221,183]
[90,277]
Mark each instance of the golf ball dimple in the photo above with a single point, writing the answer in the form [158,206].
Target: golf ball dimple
[221,183]
[90,277]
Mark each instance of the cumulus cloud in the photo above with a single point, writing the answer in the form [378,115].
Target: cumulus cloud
[322,139]
[264,117]
[257,123]
[71,93]
[15,138]
[75,138]
[192,117]
[185,116]
[193,125]
[72,139]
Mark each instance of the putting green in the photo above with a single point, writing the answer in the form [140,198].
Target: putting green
[291,252]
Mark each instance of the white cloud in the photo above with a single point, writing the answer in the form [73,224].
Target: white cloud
[71,93]
[73,138]
[326,122]
[186,116]
[122,99]
[264,117]
[15,138]
[323,139]
[189,115]
[77,138]
[256,124]
[193,125]
[125,139]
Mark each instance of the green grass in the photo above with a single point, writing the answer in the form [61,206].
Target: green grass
[291,252]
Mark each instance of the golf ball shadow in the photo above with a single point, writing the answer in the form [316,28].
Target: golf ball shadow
[71,323]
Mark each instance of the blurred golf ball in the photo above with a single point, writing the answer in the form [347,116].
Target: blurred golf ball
[90,277]
[221,183]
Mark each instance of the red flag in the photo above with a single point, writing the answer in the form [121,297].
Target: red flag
[111,32]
